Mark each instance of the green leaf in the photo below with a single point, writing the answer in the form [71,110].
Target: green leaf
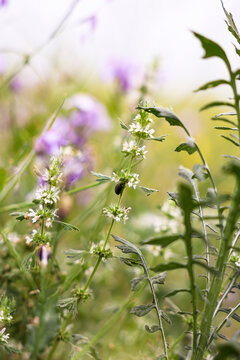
[225,128]
[19,215]
[3,178]
[212,49]
[136,281]
[212,84]
[216,103]
[74,254]
[225,120]
[231,24]
[152,329]
[160,138]
[167,114]
[169,266]
[174,292]
[186,174]
[130,262]
[101,177]
[142,310]
[205,266]
[186,147]
[200,172]
[148,191]
[67,226]
[159,279]
[185,198]
[162,241]
[229,113]
[230,140]
[123,126]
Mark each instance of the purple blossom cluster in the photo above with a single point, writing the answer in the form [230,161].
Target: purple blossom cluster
[69,135]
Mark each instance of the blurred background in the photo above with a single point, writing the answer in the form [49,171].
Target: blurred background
[104,56]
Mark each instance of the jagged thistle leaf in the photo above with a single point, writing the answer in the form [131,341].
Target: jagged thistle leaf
[142,310]
[159,278]
[186,147]
[231,24]
[212,49]
[135,281]
[167,114]
[152,329]
[200,172]
[162,241]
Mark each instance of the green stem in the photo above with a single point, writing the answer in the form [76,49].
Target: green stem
[218,279]
[74,191]
[108,325]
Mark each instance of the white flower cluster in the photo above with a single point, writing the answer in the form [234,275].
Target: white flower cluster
[46,196]
[131,148]
[235,259]
[131,180]
[141,131]
[117,213]
[5,315]
[4,337]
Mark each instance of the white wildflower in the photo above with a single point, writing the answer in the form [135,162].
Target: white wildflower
[141,131]
[133,180]
[131,148]
[47,195]
[29,239]
[117,213]
[4,337]
[33,214]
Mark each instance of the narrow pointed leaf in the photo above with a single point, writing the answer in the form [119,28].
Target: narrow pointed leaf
[162,241]
[67,226]
[174,292]
[169,266]
[216,103]
[230,140]
[123,126]
[147,190]
[212,84]
[101,177]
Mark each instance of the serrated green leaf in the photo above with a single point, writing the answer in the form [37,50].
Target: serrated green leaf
[123,126]
[159,279]
[212,84]
[136,281]
[67,226]
[174,292]
[212,49]
[167,114]
[142,310]
[159,138]
[19,215]
[147,190]
[101,177]
[200,172]
[186,147]
[230,140]
[130,262]
[162,241]
[216,103]
[231,24]
[168,267]
[152,329]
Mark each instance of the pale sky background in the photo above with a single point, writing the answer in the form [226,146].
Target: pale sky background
[138,30]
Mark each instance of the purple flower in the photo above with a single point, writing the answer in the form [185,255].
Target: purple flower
[15,85]
[126,74]
[87,115]
[3,2]
[51,141]
[75,167]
